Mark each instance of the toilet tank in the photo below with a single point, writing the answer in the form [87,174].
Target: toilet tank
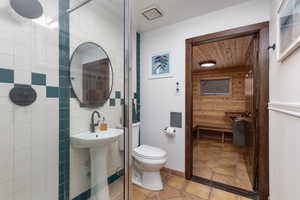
[135,135]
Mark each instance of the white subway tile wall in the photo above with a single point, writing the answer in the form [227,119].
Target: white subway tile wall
[28,135]
[29,150]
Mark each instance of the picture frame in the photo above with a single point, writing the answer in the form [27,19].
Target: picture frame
[288,28]
[160,66]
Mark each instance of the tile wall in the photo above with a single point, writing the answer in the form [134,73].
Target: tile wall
[30,148]
[29,135]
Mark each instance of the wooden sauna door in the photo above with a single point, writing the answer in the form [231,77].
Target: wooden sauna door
[260,94]
[251,152]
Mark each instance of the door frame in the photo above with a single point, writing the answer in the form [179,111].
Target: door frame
[262,30]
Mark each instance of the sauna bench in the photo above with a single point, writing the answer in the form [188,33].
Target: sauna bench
[213,127]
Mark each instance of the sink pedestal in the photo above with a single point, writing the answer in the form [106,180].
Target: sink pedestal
[99,185]
[98,144]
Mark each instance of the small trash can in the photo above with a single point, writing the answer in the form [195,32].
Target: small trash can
[239,131]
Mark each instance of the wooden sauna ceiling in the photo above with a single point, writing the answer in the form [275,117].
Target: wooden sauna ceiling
[227,53]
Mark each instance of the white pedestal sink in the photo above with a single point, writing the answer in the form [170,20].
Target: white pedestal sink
[98,143]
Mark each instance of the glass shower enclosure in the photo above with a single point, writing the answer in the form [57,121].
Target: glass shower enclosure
[65,99]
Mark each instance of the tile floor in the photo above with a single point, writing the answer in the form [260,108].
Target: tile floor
[219,162]
[116,189]
[177,188]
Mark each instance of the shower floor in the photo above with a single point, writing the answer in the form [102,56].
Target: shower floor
[219,162]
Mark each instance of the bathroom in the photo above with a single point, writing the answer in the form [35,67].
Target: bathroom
[99,99]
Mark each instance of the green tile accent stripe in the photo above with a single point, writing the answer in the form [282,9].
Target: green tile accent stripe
[118,94]
[52,92]
[22,85]
[112,102]
[64,101]
[6,76]
[84,196]
[116,176]
[138,76]
[38,79]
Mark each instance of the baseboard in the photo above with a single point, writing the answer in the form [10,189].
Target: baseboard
[173,172]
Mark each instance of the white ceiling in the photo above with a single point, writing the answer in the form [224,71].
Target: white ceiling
[177,10]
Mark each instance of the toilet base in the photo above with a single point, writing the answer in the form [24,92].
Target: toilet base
[149,180]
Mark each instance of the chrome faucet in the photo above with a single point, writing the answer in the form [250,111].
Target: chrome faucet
[93,124]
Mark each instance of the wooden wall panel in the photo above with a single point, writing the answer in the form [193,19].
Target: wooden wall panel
[211,110]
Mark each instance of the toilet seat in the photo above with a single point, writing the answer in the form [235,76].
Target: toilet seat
[149,152]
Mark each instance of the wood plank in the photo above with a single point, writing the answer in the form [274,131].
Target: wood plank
[212,109]
[226,53]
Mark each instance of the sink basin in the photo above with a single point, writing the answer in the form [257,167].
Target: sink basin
[97,143]
[97,139]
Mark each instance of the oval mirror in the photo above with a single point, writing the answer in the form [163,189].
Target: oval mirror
[91,75]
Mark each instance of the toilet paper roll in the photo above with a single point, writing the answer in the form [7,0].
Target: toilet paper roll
[170,131]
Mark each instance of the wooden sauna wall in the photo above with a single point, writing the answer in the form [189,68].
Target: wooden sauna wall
[210,110]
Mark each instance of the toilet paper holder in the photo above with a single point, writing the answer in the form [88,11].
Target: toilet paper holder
[174,131]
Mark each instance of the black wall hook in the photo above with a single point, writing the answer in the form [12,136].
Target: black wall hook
[272,47]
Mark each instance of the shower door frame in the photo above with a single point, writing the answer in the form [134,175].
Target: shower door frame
[262,30]
[128,61]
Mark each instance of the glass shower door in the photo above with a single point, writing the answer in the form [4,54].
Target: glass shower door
[93,32]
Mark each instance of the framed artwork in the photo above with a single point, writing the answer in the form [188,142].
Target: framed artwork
[288,28]
[160,66]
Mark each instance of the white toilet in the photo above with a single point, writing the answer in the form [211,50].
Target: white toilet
[147,162]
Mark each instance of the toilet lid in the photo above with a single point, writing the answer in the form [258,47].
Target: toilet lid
[149,152]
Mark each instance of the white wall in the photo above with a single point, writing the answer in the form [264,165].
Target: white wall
[158,97]
[29,135]
[284,129]
[94,23]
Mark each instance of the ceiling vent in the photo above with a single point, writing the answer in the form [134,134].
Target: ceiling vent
[152,13]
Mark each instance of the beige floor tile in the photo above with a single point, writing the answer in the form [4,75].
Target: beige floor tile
[204,173]
[229,171]
[199,190]
[166,193]
[212,164]
[164,177]
[152,198]
[226,162]
[229,180]
[176,182]
[193,191]
[212,157]
[142,190]
[217,194]
[187,196]
[138,195]
[244,198]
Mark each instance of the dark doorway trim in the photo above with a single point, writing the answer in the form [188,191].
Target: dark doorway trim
[262,30]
